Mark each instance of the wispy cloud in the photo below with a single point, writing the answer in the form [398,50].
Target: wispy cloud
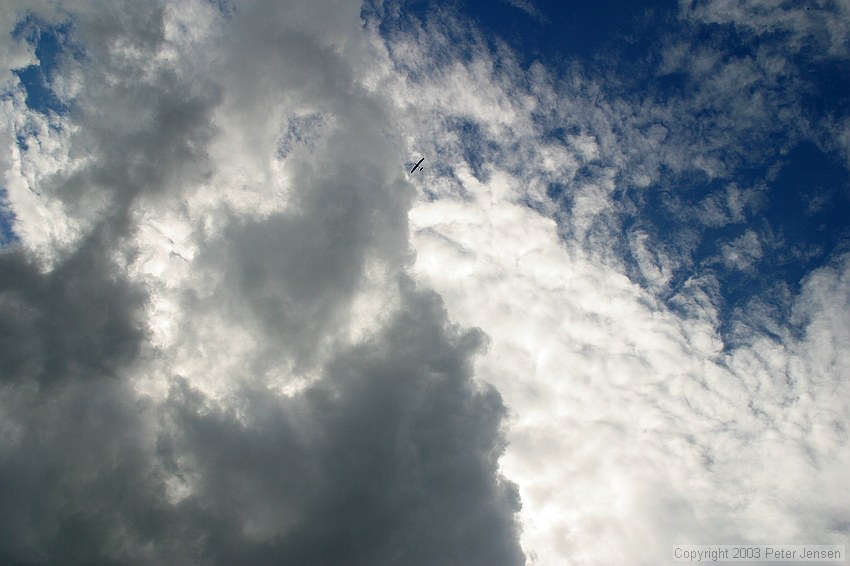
[529,8]
[635,421]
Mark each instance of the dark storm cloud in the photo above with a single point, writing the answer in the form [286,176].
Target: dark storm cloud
[77,479]
[390,459]
[79,320]
[389,455]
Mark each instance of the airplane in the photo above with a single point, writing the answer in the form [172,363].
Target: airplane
[417,165]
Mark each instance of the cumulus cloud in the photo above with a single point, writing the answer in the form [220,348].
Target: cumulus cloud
[385,459]
[211,350]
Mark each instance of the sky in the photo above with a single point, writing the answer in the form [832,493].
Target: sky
[610,315]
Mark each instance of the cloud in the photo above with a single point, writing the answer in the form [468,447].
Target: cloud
[529,8]
[390,457]
[636,420]
[631,429]
[79,321]
[741,252]
[234,330]
[212,351]
[821,23]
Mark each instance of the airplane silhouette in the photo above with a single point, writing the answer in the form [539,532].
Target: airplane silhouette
[417,165]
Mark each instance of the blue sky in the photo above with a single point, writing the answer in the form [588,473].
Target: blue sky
[49,44]
[619,44]
[558,32]
[237,329]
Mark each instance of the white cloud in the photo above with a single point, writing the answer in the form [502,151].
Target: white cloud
[631,431]
[529,8]
[821,22]
[634,426]
[742,252]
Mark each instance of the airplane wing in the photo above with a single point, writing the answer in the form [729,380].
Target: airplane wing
[417,165]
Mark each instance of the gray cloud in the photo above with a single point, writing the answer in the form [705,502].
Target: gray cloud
[211,351]
[79,484]
[391,457]
[78,321]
